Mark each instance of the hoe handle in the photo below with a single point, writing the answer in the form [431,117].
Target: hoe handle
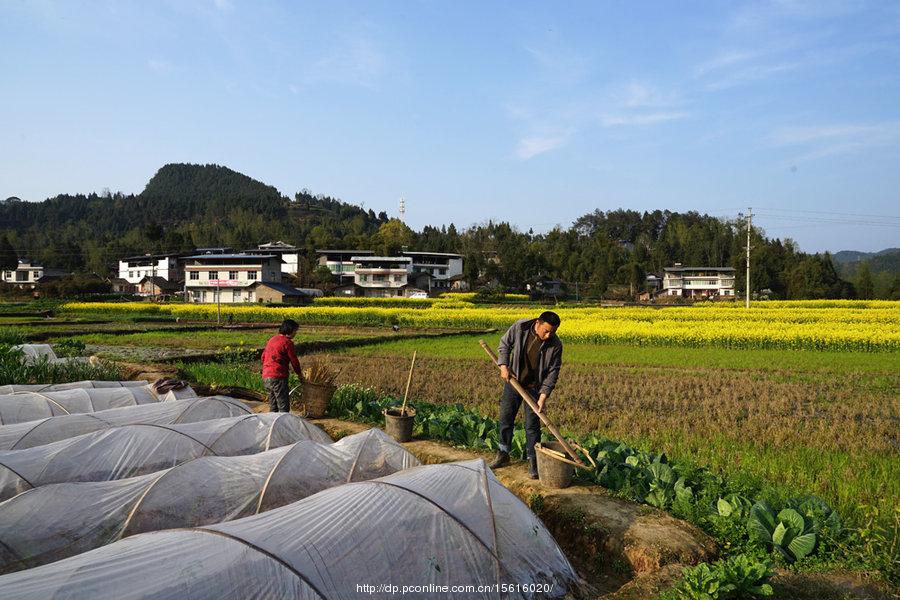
[531,403]
[408,381]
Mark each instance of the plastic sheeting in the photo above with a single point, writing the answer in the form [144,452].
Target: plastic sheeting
[70,518]
[131,450]
[438,525]
[56,387]
[52,429]
[22,407]
[35,353]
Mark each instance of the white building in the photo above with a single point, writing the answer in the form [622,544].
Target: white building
[290,255]
[440,267]
[27,273]
[228,278]
[698,282]
[382,276]
[134,268]
[340,263]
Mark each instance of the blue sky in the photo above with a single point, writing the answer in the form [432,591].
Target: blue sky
[530,112]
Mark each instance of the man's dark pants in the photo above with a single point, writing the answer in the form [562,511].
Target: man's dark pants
[509,407]
[278,390]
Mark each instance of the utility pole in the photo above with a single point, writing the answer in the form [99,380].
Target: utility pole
[218,303]
[747,281]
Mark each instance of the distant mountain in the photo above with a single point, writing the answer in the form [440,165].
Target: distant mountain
[853,256]
[884,264]
[182,206]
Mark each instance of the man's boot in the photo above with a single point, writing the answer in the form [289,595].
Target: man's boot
[501,460]
[532,467]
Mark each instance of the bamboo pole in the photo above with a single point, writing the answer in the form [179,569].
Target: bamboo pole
[533,405]
[408,382]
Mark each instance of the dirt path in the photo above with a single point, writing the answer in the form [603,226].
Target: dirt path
[624,551]
[609,541]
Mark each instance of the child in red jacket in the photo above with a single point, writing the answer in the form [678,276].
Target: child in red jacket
[278,356]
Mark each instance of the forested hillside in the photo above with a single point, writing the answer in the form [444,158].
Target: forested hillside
[187,206]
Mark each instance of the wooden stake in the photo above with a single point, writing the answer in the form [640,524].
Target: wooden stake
[531,403]
[408,381]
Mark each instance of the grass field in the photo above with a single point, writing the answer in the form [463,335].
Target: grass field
[869,326]
[818,422]
[800,419]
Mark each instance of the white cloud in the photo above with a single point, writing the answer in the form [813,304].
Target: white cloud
[354,60]
[636,94]
[640,119]
[223,5]
[752,74]
[837,139]
[562,65]
[159,65]
[725,59]
[531,146]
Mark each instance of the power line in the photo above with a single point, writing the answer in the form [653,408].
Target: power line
[825,212]
[825,220]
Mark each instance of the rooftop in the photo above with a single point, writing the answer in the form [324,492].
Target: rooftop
[450,254]
[151,256]
[381,258]
[277,245]
[680,269]
[281,287]
[229,256]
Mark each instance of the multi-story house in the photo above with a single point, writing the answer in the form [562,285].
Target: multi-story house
[228,278]
[434,271]
[698,282]
[167,266]
[340,263]
[29,273]
[382,276]
[290,255]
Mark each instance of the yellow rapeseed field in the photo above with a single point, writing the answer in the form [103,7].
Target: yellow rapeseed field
[864,326]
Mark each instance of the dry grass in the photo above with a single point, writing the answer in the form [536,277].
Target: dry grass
[830,433]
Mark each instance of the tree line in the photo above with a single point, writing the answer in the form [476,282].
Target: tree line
[188,206]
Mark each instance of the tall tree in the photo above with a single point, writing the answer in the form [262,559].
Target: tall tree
[865,287]
[8,258]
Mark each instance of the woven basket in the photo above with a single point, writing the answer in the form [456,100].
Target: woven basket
[314,398]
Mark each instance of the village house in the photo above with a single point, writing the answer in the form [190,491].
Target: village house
[29,273]
[167,266]
[269,292]
[434,271]
[157,287]
[340,263]
[290,256]
[698,282]
[360,272]
[228,278]
[382,276]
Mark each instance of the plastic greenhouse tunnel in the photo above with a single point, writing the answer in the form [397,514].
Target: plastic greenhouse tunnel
[52,429]
[56,387]
[437,525]
[131,450]
[22,407]
[35,353]
[70,518]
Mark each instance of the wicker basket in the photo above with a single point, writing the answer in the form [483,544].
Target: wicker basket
[314,398]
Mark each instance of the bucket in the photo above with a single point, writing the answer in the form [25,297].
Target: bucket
[555,467]
[397,426]
[314,398]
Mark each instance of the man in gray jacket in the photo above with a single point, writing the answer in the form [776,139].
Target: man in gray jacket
[530,352]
